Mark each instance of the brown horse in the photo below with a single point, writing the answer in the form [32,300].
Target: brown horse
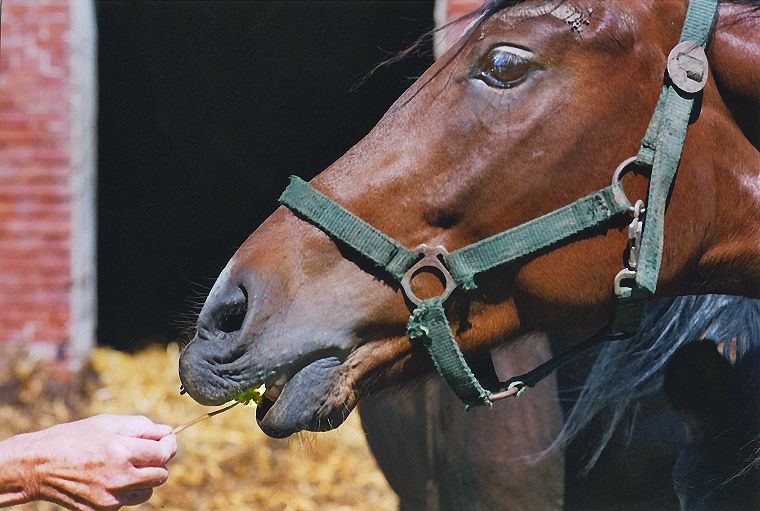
[436,456]
[459,158]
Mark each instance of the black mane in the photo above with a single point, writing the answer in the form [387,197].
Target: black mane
[627,371]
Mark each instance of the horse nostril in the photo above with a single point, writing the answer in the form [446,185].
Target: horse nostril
[233,312]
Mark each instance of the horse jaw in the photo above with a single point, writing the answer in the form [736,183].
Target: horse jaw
[733,265]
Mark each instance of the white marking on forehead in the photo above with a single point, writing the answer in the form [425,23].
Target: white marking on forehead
[574,16]
[523,12]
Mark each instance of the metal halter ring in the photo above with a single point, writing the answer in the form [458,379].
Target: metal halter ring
[432,264]
[514,389]
[621,169]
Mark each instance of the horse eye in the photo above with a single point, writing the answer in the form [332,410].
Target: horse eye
[503,67]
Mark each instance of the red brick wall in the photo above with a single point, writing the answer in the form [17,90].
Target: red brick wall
[35,205]
[457,8]
[449,10]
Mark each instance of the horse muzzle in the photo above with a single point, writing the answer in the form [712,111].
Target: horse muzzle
[236,348]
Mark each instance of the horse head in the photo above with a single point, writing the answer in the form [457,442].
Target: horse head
[534,108]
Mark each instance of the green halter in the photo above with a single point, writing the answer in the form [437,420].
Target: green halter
[660,151]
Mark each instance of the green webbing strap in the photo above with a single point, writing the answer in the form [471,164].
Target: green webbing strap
[535,235]
[662,146]
[645,156]
[697,25]
[339,223]
[428,323]
[666,159]
[627,315]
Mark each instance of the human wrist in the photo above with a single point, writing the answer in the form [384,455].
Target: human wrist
[19,475]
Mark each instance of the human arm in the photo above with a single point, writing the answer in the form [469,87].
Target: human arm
[101,463]
[13,470]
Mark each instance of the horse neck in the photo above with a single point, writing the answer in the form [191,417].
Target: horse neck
[730,253]
[726,207]
[734,54]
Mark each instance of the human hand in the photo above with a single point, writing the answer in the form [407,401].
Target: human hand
[96,464]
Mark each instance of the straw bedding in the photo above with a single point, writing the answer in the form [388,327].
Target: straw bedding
[224,463]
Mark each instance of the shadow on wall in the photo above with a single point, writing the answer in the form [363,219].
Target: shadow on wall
[205,109]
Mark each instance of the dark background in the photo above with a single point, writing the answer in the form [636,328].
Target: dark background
[205,108]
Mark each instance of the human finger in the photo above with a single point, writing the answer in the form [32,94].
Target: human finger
[76,502]
[156,432]
[169,442]
[150,453]
[138,426]
[150,477]
[134,496]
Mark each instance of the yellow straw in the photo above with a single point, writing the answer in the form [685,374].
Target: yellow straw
[183,427]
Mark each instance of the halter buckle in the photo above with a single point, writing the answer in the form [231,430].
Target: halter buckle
[634,245]
[622,291]
[634,234]
[687,67]
[429,263]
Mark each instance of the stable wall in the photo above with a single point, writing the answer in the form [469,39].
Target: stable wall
[47,102]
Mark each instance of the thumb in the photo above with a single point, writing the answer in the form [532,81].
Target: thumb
[156,432]
[141,427]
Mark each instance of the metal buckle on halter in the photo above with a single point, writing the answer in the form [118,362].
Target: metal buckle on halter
[634,245]
[519,385]
[429,263]
[634,234]
[687,67]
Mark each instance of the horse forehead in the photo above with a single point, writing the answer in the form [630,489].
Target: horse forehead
[613,25]
[570,12]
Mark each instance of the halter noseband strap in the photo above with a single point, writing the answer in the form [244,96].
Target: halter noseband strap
[660,149]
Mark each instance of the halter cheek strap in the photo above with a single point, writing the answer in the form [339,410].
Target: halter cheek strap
[663,142]
[660,150]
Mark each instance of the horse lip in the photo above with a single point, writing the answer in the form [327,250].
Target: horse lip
[300,405]
[210,371]
[213,375]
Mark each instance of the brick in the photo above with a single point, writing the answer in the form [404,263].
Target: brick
[35,193]
[33,281]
